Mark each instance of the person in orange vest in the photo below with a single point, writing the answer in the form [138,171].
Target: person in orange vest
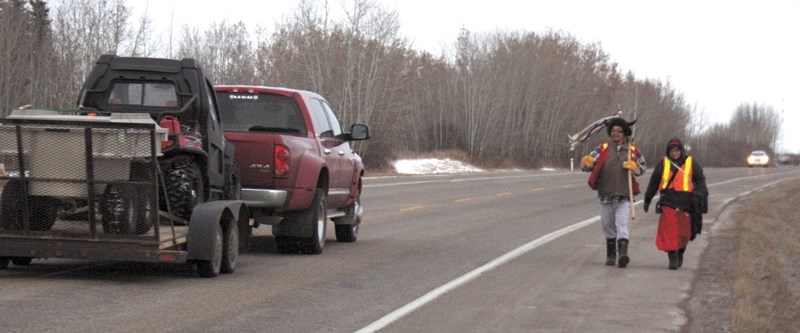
[609,165]
[680,181]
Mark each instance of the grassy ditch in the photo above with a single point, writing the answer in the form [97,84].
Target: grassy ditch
[766,284]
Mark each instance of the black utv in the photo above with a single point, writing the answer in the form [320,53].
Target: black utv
[196,163]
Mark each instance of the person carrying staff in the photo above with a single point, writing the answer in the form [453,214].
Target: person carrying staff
[610,164]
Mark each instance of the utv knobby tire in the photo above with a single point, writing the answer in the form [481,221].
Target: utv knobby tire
[43,210]
[212,267]
[316,215]
[347,226]
[185,188]
[126,209]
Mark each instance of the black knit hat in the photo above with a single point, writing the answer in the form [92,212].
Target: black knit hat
[675,142]
[626,126]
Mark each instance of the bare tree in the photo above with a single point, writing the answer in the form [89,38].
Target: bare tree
[224,50]
[85,29]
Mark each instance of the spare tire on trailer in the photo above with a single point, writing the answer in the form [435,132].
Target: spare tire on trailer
[127,209]
[43,210]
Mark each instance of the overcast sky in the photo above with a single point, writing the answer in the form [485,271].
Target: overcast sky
[718,54]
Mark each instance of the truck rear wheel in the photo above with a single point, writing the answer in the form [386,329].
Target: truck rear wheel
[43,210]
[213,266]
[286,244]
[317,216]
[185,188]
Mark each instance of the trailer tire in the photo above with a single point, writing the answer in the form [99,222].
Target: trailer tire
[126,210]
[211,267]
[185,188]
[317,217]
[230,247]
[44,210]
[3,262]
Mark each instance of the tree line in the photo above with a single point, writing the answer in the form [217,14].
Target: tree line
[506,98]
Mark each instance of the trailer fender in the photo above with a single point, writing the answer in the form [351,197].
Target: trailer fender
[206,220]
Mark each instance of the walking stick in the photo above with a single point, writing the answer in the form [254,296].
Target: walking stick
[630,180]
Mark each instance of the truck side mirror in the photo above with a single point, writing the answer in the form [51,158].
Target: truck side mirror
[359,132]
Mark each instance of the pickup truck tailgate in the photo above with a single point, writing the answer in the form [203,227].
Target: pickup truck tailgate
[254,153]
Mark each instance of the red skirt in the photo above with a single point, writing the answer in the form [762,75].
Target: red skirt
[674,229]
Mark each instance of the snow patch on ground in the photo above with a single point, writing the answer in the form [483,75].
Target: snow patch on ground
[428,166]
[431,166]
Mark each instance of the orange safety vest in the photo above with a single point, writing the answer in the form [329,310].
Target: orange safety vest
[682,181]
[602,159]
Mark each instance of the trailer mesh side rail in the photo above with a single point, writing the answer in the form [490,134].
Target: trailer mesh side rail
[83,189]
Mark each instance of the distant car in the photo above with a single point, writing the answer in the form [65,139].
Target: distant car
[758,158]
[788,159]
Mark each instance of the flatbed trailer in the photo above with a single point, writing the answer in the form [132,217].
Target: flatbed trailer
[89,187]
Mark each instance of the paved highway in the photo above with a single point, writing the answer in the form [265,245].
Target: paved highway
[490,252]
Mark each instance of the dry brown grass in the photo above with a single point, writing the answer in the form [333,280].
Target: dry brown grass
[766,290]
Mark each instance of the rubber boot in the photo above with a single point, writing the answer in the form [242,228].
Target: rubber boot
[680,256]
[673,259]
[622,248]
[611,251]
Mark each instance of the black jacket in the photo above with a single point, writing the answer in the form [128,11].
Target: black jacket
[696,203]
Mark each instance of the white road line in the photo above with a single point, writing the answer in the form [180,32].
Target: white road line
[434,294]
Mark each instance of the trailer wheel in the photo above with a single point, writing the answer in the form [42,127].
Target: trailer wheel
[212,267]
[317,216]
[185,188]
[21,261]
[43,210]
[347,226]
[3,262]
[230,247]
[126,210]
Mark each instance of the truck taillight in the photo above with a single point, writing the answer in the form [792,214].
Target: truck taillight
[281,161]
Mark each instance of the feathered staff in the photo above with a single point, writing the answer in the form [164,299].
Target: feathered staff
[590,130]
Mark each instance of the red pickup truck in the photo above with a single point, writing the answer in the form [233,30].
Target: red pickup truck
[297,167]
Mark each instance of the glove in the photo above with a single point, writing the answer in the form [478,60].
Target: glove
[630,165]
[588,161]
[646,205]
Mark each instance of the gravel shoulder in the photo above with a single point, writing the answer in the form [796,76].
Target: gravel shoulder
[754,249]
